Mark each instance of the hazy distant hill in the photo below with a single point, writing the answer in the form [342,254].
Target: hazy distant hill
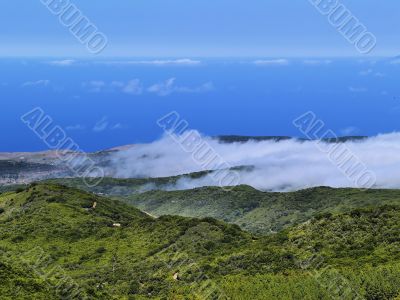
[243,139]
[25,167]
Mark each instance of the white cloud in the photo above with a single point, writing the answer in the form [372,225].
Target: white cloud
[95,86]
[315,62]
[133,87]
[62,63]
[371,72]
[101,125]
[168,87]
[206,87]
[163,89]
[97,83]
[175,62]
[42,82]
[117,126]
[357,89]
[180,62]
[278,166]
[272,62]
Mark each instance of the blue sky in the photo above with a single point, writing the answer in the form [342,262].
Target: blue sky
[177,28]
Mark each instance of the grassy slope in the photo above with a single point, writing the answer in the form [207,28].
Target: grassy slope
[359,255]
[251,209]
[256,211]
[92,251]
[131,261]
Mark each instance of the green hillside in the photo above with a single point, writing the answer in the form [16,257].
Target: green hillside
[253,210]
[57,241]
[256,211]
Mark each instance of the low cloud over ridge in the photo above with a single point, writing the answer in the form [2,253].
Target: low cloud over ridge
[277,166]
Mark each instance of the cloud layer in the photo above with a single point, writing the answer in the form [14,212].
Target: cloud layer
[277,166]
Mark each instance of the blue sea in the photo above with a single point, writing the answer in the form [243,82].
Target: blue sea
[103,103]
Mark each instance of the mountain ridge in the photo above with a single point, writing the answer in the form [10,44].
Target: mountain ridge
[253,210]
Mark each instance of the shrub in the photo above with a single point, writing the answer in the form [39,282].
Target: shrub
[101,250]
[19,190]
[324,215]
[17,239]
[134,288]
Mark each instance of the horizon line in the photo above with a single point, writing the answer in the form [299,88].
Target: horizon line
[195,56]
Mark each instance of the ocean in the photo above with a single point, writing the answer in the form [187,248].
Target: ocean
[108,102]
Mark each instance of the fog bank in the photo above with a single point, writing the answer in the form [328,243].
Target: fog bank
[277,166]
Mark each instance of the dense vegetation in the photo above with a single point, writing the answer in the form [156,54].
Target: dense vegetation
[56,240]
[260,212]
[251,209]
